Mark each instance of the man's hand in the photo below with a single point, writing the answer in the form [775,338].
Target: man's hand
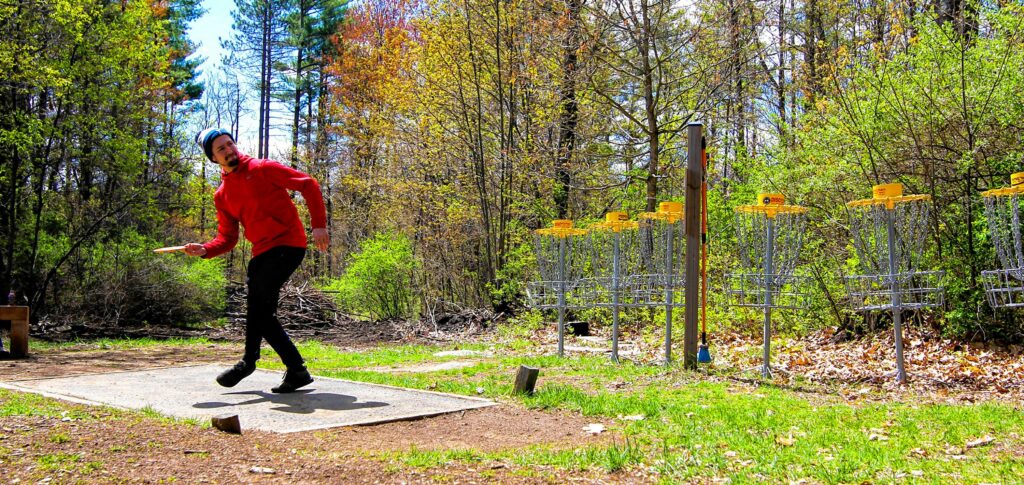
[195,249]
[321,239]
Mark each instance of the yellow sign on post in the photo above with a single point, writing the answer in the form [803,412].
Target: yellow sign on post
[669,211]
[771,205]
[616,221]
[771,199]
[561,228]
[885,191]
[888,195]
[1016,187]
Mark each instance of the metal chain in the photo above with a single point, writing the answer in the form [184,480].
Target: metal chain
[869,225]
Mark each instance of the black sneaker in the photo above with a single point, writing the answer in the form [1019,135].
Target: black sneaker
[234,375]
[293,379]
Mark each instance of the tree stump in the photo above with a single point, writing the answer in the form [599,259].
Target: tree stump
[526,379]
[227,423]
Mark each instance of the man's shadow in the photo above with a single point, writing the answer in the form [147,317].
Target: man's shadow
[299,402]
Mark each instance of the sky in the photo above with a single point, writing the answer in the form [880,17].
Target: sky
[207,30]
[206,33]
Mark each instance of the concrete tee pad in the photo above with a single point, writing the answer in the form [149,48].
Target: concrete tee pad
[191,392]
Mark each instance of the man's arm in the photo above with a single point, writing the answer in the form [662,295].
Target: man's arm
[292,179]
[227,237]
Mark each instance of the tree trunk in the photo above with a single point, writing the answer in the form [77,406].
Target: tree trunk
[264,91]
[650,104]
[781,100]
[569,115]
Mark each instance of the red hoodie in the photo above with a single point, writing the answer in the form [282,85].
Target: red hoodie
[256,194]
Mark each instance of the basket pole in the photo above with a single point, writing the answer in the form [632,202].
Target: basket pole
[769,283]
[669,277]
[561,296]
[694,180]
[897,304]
[615,295]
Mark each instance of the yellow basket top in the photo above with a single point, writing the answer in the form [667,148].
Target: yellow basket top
[561,228]
[1016,187]
[771,205]
[888,195]
[668,211]
[615,221]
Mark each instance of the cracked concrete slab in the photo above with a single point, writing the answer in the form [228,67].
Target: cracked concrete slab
[191,392]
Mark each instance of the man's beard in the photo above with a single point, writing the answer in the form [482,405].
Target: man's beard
[233,162]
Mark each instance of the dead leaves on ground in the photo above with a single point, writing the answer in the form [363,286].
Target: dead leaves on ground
[946,369]
[939,369]
[983,441]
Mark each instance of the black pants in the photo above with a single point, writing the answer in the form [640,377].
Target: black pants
[266,275]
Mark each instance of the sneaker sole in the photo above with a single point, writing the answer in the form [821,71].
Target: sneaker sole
[290,388]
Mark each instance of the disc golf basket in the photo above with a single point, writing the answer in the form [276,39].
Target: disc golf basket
[613,245]
[1004,287]
[889,232]
[659,276]
[769,235]
[561,256]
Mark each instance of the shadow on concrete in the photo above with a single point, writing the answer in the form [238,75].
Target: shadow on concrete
[300,402]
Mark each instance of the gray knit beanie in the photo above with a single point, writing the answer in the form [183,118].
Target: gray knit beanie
[205,139]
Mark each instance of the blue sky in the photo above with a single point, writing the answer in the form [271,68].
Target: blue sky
[206,31]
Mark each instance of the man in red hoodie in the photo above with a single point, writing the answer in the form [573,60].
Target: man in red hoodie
[256,193]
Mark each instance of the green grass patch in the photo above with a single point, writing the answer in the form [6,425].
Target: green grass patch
[326,357]
[692,429]
[59,438]
[57,461]
[434,458]
[119,343]
[13,403]
[26,404]
[153,414]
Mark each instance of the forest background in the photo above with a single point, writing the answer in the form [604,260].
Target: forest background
[444,132]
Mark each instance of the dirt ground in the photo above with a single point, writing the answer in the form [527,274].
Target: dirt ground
[150,451]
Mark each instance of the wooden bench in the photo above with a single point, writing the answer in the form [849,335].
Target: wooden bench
[18,315]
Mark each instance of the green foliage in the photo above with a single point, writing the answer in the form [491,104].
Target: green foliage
[937,117]
[86,148]
[378,279]
[127,281]
[509,287]
[522,325]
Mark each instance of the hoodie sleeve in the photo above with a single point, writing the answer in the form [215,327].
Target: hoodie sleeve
[292,179]
[227,231]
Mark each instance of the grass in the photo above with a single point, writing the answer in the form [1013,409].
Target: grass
[681,426]
[26,404]
[693,429]
[117,344]
[67,462]
[327,357]
[22,404]
[151,413]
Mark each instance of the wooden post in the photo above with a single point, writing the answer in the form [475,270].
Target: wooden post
[227,423]
[694,179]
[18,315]
[526,379]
